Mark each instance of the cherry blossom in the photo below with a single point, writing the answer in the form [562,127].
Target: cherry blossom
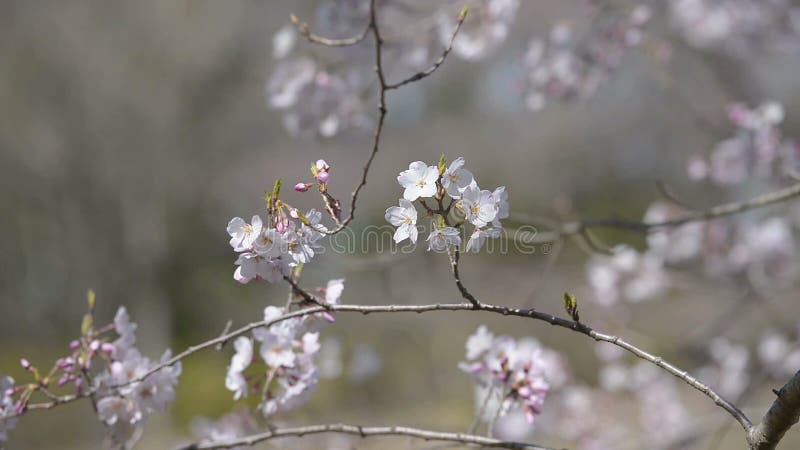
[516,368]
[479,237]
[122,400]
[419,181]
[442,239]
[404,217]
[235,380]
[480,207]
[561,69]
[243,235]
[286,373]
[626,275]
[455,179]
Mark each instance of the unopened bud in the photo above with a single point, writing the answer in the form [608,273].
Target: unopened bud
[301,187]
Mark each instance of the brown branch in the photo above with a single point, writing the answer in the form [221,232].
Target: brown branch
[384,86]
[467,306]
[782,415]
[376,140]
[364,432]
[430,70]
[725,209]
[579,327]
[305,31]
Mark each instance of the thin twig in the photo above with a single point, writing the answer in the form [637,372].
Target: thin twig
[305,31]
[364,432]
[376,140]
[430,70]
[726,209]
[382,110]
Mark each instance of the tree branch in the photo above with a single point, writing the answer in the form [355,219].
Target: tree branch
[782,415]
[429,71]
[725,209]
[383,86]
[735,412]
[364,432]
[305,31]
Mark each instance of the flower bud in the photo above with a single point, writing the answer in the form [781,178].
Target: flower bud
[323,177]
[107,347]
[74,345]
[322,166]
[301,187]
[25,364]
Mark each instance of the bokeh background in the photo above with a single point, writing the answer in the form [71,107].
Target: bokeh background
[131,132]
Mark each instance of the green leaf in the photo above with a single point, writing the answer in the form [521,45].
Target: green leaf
[442,164]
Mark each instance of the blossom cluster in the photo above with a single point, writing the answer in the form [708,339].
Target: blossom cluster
[523,371]
[324,92]
[738,27]
[563,67]
[266,251]
[663,417]
[467,202]
[287,374]
[123,396]
[758,251]
[757,149]
[124,384]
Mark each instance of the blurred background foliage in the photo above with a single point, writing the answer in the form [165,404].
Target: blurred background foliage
[132,131]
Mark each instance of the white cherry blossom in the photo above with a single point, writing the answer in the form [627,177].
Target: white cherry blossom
[404,217]
[442,238]
[243,235]
[419,180]
[479,206]
[235,380]
[456,178]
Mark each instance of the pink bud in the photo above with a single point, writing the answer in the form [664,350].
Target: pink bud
[524,392]
[25,363]
[328,316]
[74,345]
[94,345]
[9,392]
[301,187]
[63,380]
[107,347]
[321,165]
[529,415]
[293,213]
[323,177]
